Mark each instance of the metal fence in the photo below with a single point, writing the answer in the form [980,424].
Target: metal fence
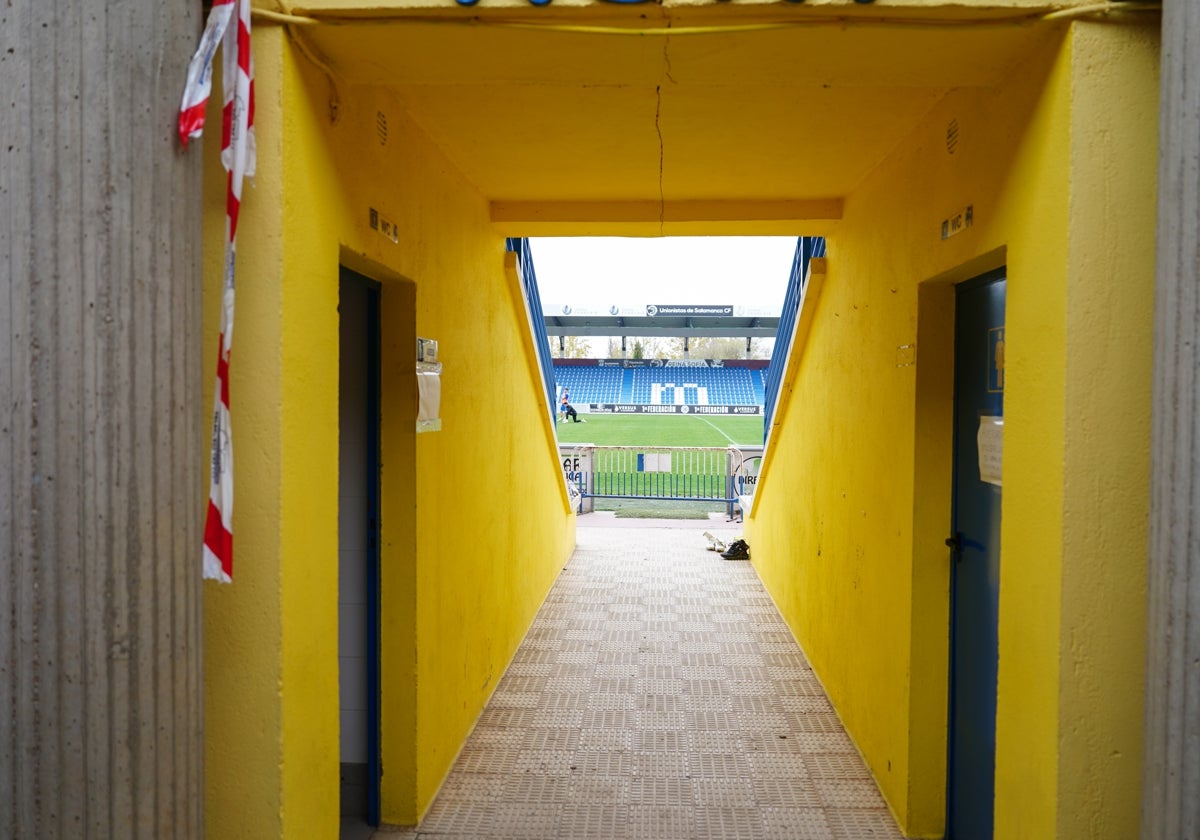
[666,473]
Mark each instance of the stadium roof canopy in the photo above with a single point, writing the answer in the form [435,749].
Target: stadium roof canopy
[658,319]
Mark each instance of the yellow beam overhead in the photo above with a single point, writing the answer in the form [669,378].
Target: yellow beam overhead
[652,218]
[774,108]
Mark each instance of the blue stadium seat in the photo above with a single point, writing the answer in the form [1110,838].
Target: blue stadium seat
[719,386]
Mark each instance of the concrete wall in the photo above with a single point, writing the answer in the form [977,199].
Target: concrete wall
[475,524]
[854,500]
[101,429]
[1172,770]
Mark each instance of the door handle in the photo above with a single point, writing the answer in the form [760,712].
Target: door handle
[954,543]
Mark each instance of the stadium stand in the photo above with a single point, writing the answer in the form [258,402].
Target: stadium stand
[668,385]
[589,384]
[627,386]
[758,378]
[693,386]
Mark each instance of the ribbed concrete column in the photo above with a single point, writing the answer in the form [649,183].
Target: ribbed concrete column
[101,446]
[1171,783]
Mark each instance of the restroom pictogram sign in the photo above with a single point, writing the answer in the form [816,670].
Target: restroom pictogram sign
[996,360]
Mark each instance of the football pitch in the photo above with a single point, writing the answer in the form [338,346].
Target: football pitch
[687,476]
[663,430]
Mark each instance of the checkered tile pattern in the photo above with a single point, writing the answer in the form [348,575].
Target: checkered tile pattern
[658,695]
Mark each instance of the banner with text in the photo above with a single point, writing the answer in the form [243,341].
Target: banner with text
[625,408]
[751,364]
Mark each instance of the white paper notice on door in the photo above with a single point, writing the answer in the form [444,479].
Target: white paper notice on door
[991,448]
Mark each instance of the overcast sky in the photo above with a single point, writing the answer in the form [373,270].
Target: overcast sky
[737,270]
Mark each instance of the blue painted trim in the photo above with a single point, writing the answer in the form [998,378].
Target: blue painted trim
[520,246]
[807,247]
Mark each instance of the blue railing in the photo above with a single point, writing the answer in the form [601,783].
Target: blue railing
[807,247]
[533,305]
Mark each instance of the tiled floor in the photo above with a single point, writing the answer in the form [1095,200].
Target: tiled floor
[658,695]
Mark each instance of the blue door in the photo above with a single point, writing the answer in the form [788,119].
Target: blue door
[358,545]
[975,554]
[373,470]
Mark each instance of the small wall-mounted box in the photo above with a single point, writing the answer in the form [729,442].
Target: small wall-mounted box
[427,350]
[429,386]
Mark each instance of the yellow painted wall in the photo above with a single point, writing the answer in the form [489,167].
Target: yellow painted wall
[308,410]
[475,523]
[944,10]
[853,507]
[243,622]
[854,501]
[1107,449]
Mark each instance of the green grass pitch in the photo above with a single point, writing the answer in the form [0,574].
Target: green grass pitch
[699,477]
[663,430]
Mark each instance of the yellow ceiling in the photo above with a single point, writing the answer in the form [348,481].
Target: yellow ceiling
[544,117]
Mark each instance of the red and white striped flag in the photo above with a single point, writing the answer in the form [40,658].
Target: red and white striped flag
[237,156]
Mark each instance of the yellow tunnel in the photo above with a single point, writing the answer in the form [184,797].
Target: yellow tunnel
[404,141]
